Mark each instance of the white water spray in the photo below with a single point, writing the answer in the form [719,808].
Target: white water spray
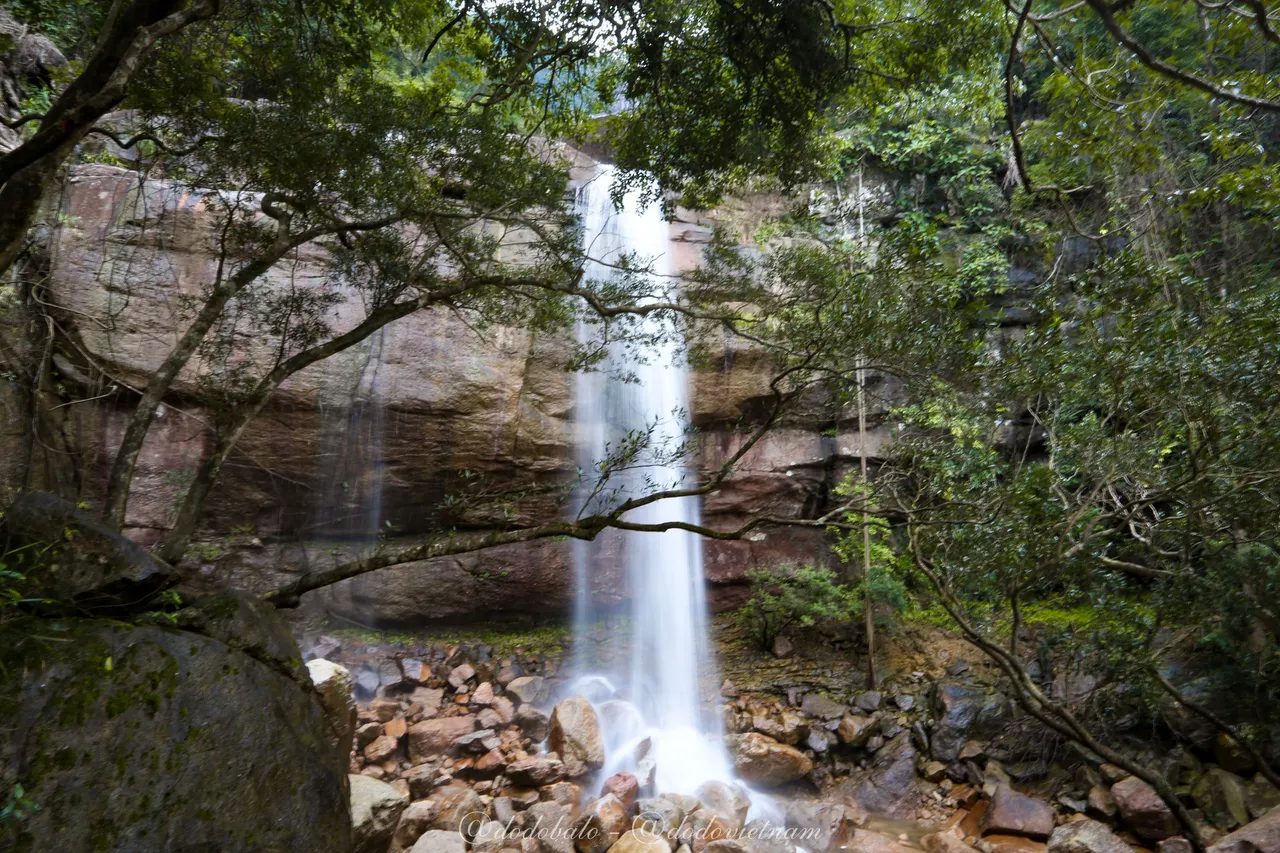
[660,697]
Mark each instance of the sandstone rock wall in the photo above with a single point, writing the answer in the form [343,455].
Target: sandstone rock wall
[376,436]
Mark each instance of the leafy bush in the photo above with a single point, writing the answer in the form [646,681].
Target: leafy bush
[787,596]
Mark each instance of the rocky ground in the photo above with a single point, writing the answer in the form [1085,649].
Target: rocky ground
[466,734]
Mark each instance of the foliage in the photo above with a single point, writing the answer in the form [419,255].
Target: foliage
[794,597]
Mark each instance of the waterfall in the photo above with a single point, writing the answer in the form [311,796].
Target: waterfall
[653,691]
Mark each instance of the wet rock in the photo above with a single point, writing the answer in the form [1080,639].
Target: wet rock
[658,816]
[1221,796]
[375,810]
[533,723]
[724,799]
[855,730]
[761,760]
[531,689]
[890,786]
[565,793]
[963,712]
[729,690]
[1142,809]
[601,824]
[625,786]
[1086,836]
[1012,813]
[817,705]
[575,735]
[535,772]
[828,827]
[336,687]
[647,775]
[634,841]
[762,836]
[439,841]
[437,736]
[508,673]
[865,841]
[1261,836]
[782,647]
[1011,844]
[945,841]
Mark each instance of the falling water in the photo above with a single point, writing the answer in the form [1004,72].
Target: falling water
[657,696]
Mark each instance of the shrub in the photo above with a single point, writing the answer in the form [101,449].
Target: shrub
[788,596]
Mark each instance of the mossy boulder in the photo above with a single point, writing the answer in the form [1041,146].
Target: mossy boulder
[149,738]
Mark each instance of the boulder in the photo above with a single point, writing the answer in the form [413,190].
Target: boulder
[336,687]
[533,723]
[414,821]
[575,735]
[1100,803]
[869,701]
[200,745]
[1012,813]
[658,816]
[421,780]
[601,824]
[625,786]
[945,841]
[1176,844]
[1143,811]
[455,804]
[855,730]
[785,727]
[1221,796]
[439,841]
[724,799]
[823,827]
[80,563]
[1261,836]
[761,760]
[375,811]
[535,772]
[963,712]
[889,786]
[1086,836]
[460,674]
[530,689]
[437,736]
[764,836]
[1260,796]
[483,694]
[817,705]
[380,749]
[1231,756]
[552,826]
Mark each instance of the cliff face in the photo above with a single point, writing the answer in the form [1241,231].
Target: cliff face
[377,436]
